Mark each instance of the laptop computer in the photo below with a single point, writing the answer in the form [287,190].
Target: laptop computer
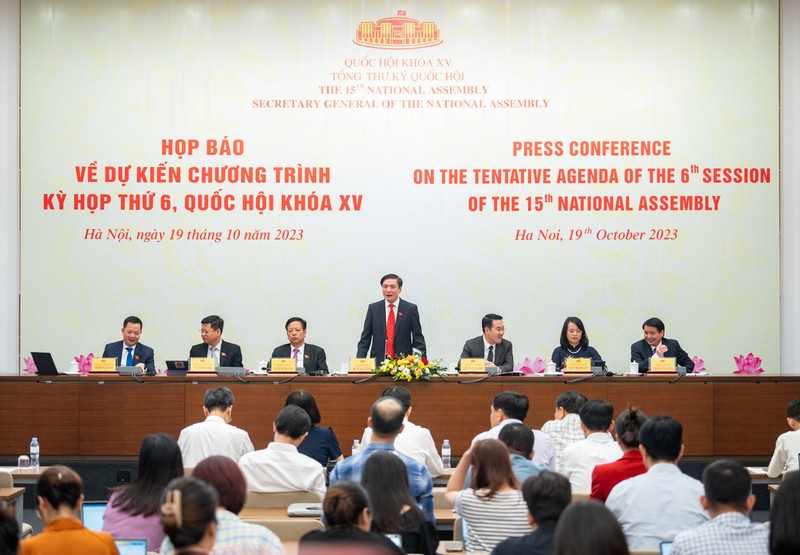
[45,366]
[665,547]
[131,546]
[92,514]
[177,367]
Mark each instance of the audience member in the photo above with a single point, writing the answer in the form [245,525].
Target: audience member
[414,441]
[215,435]
[655,506]
[393,509]
[492,506]
[546,495]
[728,499]
[386,421]
[133,509]
[59,496]
[348,523]
[518,438]
[598,447]
[589,527]
[784,514]
[509,407]
[787,448]
[233,536]
[320,444]
[280,467]
[188,515]
[9,529]
[565,429]
[606,476]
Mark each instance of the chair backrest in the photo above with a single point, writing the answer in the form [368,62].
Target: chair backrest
[6,480]
[458,529]
[288,529]
[187,470]
[580,497]
[439,500]
[258,500]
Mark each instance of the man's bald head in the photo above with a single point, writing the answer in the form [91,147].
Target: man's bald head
[386,417]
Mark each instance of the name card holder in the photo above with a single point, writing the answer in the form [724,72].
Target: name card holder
[205,365]
[362,365]
[104,365]
[283,366]
[578,366]
[666,365]
[473,366]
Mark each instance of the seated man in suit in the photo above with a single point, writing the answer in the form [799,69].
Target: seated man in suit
[496,351]
[129,352]
[307,356]
[392,325]
[225,354]
[655,344]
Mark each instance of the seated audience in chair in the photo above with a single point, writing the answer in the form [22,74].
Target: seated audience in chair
[784,514]
[546,495]
[728,499]
[59,496]
[657,505]
[321,443]
[348,523]
[787,447]
[393,509]
[233,535]
[280,467]
[386,422]
[565,429]
[133,509]
[188,515]
[492,506]
[606,476]
[587,527]
[598,447]
[9,530]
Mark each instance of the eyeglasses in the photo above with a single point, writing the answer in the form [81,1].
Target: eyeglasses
[207,331]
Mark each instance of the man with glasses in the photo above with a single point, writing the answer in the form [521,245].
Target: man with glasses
[224,353]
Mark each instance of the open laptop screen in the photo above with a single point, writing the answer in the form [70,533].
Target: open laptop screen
[131,546]
[92,514]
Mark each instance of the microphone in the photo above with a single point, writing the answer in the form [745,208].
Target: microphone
[368,378]
[290,378]
[681,372]
[240,377]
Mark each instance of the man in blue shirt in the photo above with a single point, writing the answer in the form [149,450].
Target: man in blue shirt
[386,421]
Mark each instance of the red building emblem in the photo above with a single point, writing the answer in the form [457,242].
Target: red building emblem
[398,32]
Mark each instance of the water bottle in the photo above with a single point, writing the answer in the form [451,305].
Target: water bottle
[35,453]
[446,454]
[355,447]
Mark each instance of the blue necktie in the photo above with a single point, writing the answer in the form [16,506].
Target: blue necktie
[129,360]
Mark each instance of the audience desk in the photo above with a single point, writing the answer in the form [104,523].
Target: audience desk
[109,415]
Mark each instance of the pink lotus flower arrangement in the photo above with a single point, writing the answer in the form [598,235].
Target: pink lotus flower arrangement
[84,363]
[530,367]
[699,365]
[30,366]
[749,364]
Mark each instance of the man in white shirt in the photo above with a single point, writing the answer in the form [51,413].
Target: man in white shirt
[728,499]
[215,435]
[565,429]
[414,441]
[657,505]
[280,467]
[598,446]
[509,407]
[787,447]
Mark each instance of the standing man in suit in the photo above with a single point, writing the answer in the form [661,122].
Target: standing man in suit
[225,354]
[129,352]
[307,356]
[392,325]
[496,351]
[655,344]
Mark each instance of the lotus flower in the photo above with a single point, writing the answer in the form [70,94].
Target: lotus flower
[84,363]
[30,366]
[538,366]
[699,365]
[749,364]
[526,366]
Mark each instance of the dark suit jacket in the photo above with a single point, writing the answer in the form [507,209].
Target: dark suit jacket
[313,357]
[141,353]
[503,353]
[641,352]
[230,354]
[407,331]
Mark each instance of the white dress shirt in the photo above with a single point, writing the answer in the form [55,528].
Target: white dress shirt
[416,442]
[543,453]
[786,450]
[581,457]
[212,437]
[281,468]
[657,505]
